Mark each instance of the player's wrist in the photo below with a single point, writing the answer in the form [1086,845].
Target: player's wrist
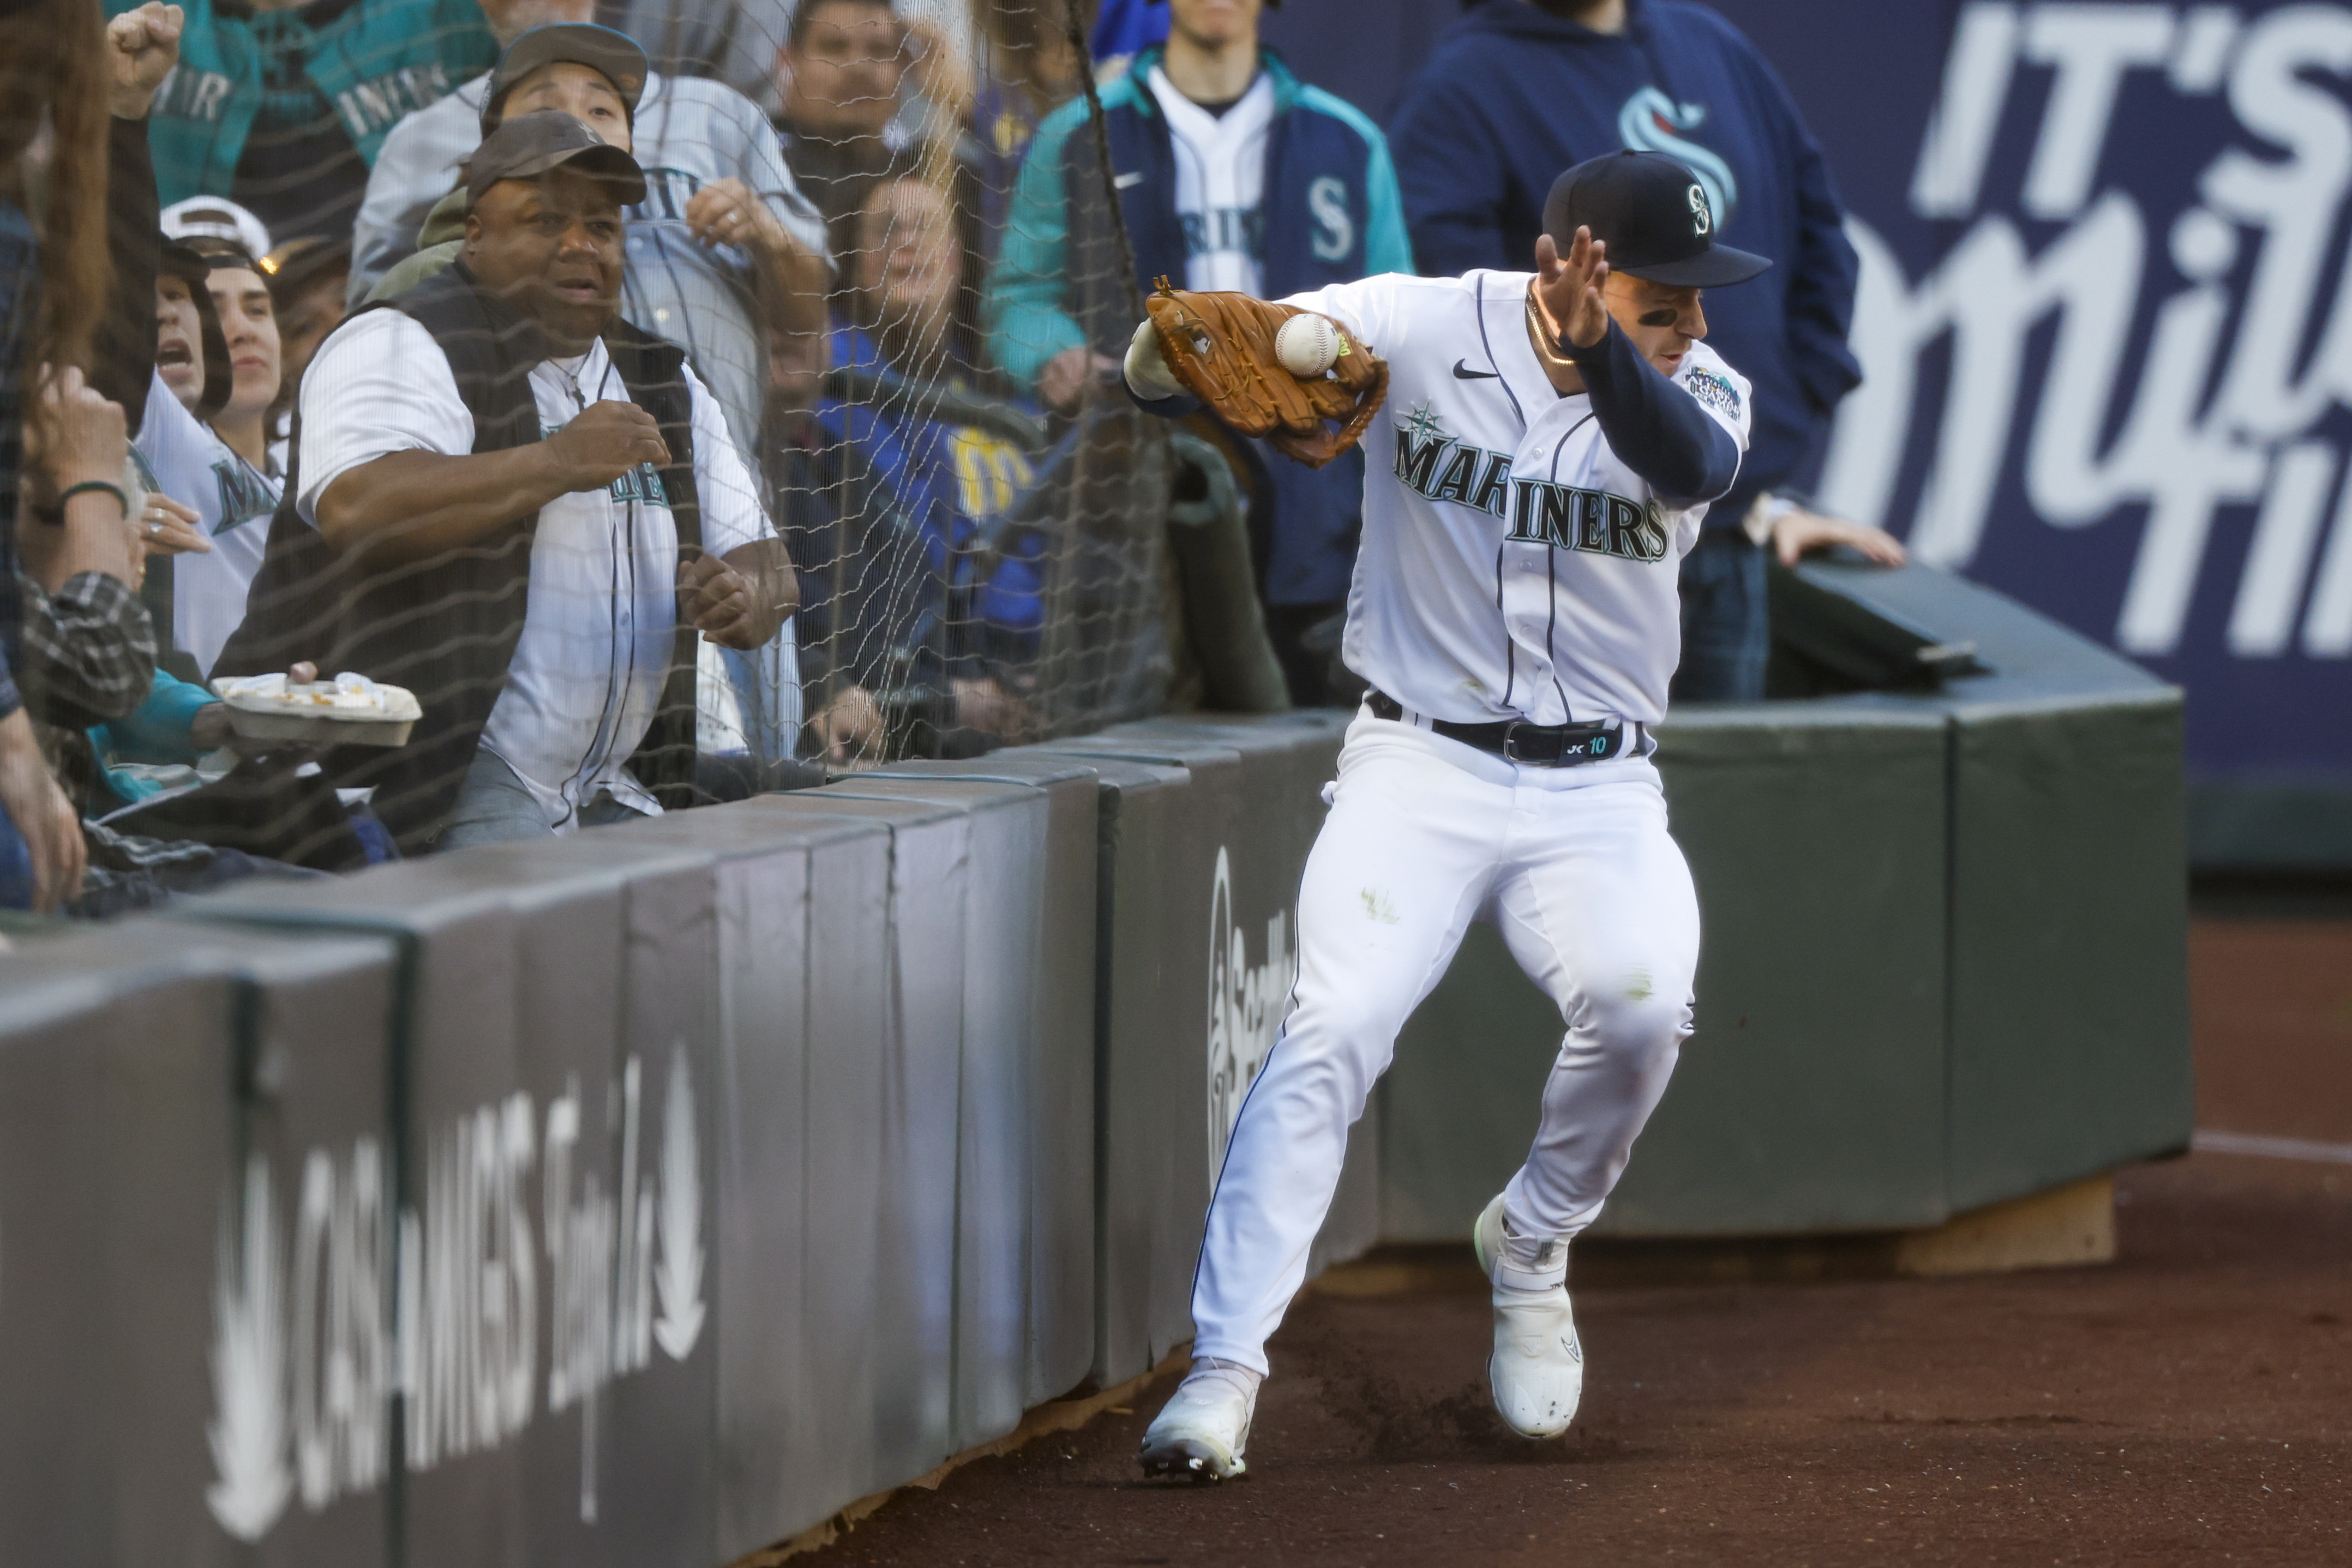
[1575,349]
[1147,375]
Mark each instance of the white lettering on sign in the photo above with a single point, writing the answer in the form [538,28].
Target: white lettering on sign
[2240,363]
[305,1361]
[1246,1005]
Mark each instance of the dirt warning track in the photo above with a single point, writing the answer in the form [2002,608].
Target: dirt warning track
[2190,1402]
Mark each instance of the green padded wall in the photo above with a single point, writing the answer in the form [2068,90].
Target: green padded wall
[1811,1097]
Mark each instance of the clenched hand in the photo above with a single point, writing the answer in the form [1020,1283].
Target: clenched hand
[607,440]
[716,600]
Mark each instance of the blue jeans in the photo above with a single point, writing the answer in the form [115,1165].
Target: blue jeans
[494,807]
[1727,621]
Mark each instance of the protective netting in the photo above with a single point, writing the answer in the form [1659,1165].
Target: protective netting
[885,237]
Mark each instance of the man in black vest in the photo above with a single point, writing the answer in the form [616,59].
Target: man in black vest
[523,508]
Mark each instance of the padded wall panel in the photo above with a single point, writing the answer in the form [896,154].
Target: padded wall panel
[528,1282]
[1168,914]
[1287,759]
[2069,897]
[910,1314]
[2070,1007]
[168,1347]
[1810,1096]
[98,1039]
[1007,1129]
[830,1425]
[1060,1110]
[1150,982]
[461,1490]
[760,1103]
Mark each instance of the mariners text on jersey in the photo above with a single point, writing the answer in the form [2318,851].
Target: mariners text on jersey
[1564,517]
[1511,565]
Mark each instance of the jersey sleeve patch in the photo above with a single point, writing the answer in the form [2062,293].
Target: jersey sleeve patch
[1713,392]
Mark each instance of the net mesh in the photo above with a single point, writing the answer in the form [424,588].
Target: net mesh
[887,241]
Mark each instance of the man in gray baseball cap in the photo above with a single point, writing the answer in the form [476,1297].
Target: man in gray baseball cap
[530,145]
[721,248]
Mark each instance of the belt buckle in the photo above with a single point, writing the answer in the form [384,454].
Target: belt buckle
[1511,746]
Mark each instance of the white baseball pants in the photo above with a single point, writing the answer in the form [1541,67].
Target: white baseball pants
[1426,835]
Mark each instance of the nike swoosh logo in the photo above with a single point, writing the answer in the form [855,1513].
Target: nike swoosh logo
[1463,372]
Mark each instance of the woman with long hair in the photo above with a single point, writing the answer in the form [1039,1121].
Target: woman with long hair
[66,77]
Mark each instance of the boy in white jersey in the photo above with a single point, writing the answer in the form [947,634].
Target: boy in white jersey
[1547,448]
[226,468]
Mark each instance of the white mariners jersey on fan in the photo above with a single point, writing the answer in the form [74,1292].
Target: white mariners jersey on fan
[1511,566]
[232,501]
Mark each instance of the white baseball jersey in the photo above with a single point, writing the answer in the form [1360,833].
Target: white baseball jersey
[1511,566]
[1220,184]
[233,500]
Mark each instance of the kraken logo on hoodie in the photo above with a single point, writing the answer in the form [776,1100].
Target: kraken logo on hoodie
[1652,122]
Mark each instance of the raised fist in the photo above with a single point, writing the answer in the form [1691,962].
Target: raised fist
[607,440]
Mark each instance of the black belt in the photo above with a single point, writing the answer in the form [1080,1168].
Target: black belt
[1537,744]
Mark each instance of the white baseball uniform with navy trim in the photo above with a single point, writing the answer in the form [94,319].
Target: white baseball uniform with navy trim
[232,501]
[1513,566]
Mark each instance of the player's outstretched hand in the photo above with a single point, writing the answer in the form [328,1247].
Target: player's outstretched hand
[607,440]
[1571,289]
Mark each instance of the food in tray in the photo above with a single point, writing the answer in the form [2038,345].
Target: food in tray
[347,697]
[350,709]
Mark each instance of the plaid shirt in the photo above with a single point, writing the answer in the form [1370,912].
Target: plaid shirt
[87,655]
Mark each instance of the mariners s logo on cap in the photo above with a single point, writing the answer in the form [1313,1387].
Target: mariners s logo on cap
[1701,219]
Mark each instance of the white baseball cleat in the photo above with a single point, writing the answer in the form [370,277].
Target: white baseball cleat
[1200,1433]
[1536,1371]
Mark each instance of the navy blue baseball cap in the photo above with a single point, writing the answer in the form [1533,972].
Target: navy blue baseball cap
[1654,216]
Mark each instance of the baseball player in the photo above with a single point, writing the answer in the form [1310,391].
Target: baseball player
[1549,445]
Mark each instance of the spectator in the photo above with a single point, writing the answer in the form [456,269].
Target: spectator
[1124,29]
[1233,174]
[59,74]
[1520,89]
[924,608]
[837,77]
[308,279]
[722,240]
[539,593]
[284,108]
[217,476]
[1031,70]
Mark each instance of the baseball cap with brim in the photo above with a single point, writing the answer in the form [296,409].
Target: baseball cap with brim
[615,56]
[212,217]
[528,145]
[1654,216]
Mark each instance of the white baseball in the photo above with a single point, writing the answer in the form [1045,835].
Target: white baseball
[1307,344]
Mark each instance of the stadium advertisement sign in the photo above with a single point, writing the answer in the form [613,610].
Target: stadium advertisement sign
[505,1246]
[2105,328]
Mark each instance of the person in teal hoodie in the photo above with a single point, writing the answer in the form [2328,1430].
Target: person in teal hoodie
[281,107]
[1231,174]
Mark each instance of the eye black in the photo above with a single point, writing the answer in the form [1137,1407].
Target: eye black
[1663,317]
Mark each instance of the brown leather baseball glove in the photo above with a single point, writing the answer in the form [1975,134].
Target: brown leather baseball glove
[1220,347]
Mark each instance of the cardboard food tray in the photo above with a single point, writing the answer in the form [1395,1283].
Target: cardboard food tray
[317,729]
